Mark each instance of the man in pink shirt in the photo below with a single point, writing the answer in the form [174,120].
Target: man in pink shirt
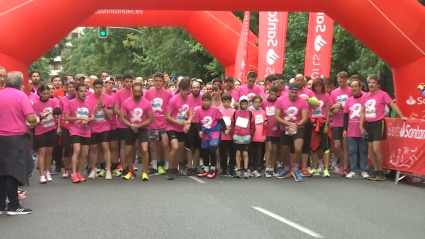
[338,97]
[250,89]
[372,123]
[15,158]
[100,130]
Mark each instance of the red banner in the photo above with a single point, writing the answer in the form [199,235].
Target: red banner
[318,52]
[404,149]
[242,53]
[272,41]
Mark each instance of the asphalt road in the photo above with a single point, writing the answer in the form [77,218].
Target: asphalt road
[219,208]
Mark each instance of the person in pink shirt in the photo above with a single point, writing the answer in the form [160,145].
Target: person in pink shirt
[216,97]
[250,89]
[45,136]
[179,117]
[357,146]
[372,123]
[136,113]
[192,141]
[291,112]
[226,147]
[209,121]
[35,78]
[100,131]
[159,143]
[79,113]
[242,128]
[119,97]
[228,84]
[259,137]
[320,131]
[273,132]
[339,96]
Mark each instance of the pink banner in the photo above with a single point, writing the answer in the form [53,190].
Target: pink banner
[272,41]
[242,53]
[318,52]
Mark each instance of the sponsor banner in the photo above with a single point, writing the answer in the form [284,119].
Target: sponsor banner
[318,52]
[404,149]
[272,41]
[119,11]
[242,53]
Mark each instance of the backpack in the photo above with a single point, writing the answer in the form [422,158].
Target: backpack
[250,116]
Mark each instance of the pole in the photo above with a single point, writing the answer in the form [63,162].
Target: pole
[128,28]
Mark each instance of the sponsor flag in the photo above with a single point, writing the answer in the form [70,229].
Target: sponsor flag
[318,52]
[272,41]
[242,53]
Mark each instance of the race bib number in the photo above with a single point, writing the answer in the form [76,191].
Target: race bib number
[342,99]
[227,120]
[270,110]
[99,116]
[47,122]
[317,111]
[242,122]
[370,112]
[181,116]
[287,129]
[259,119]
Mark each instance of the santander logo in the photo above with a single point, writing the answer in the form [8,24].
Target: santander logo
[271,57]
[319,42]
[411,101]
[406,131]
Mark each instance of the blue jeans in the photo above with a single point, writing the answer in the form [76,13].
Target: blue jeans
[357,147]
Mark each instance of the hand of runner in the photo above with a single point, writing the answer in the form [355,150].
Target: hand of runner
[362,131]
[134,128]
[344,134]
[201,134]
[274,129]
[226,131]
[186,128]
[326,129]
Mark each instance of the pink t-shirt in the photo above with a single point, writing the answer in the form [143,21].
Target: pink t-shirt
[119,98]
[260,117]
[249,92]
[208,119]
[179,109]
[77,108]
[47,124]
[375,105]
[319,111]
[353,107]
[136,112]
[291,111]
[233,93]
[14,106]
[159,101]
[340,96]
[89,92]
[269,107]
[197,103]
[227,117]
[242,122]
[100,123]
[113,119]
[33,98]
[63,104]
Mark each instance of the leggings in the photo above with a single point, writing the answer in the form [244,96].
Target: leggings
[308,127]
[254,152]
[227,148]
[212,159]
[9,189]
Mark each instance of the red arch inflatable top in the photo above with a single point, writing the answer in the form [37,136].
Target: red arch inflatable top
[392,29]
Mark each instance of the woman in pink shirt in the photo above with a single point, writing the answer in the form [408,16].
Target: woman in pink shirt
[45,137]
[259,137]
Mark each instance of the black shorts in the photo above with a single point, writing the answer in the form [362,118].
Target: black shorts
[273,140]
[75,139]
[241,147]
[289,139]
[66,143]
[156,134]
[46,140]
[97,138]
[377,131]
[172,134]
[113,135]
[192,139]
[308,128]
[337,133]
[121,133]
[142,135]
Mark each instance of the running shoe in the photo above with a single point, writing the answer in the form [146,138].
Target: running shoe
[23,192]
[381,176]
[92,175]
[120,167]
[21,197]
[239,174]
[326,173]
[161,170]
[128,176]
[223,173]
[305,173]
[80,177]
[202,174]
[314,172]
[117,173]
[268,174]
[48,176]
[351,175]
[74,178]
[65,173]
[169,175]
[283,174]
[108,175]
[344,172]
[101,173]
[145,176]
[256,174]
[373,175]
[246,175]
[153,171]
[189,172]
[365,175]
[297,175]
[135,168]
[43,179]
[19,211]
[211,174]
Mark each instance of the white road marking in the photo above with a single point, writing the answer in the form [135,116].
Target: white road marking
[196,179]
[290,223]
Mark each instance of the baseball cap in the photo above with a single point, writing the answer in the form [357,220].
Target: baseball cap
[228,78]
[109,78]
[78,76]
[293,86]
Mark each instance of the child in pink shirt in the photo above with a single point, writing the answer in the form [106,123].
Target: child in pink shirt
[226,145]
[259,137]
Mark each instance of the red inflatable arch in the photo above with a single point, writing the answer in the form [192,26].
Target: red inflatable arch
[393,29]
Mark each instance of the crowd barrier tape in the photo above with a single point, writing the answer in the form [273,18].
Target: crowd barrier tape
[404,149]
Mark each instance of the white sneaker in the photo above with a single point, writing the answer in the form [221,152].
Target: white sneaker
[65,174]
[351,175]
[43,179]
[250,173]
[108,175]
[365,175]
[336,169]
[92,174]
[48,176]
[256,174]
